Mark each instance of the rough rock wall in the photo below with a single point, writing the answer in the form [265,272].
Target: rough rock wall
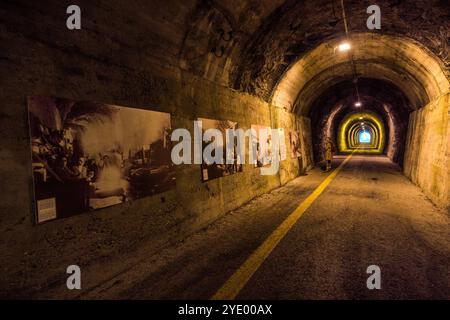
[427,156]
[296,27]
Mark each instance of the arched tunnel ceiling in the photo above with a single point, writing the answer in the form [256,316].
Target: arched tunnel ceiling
[388,58]
[378,95]
[252,45]
[247,45]
[297,27]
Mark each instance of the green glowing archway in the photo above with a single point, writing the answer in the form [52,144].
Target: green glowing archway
[353,125]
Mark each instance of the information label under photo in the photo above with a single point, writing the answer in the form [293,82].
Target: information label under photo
[46,209]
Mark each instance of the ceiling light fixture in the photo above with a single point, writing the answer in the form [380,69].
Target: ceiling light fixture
[345,46]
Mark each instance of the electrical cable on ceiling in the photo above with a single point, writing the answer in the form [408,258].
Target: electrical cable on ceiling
[347,35]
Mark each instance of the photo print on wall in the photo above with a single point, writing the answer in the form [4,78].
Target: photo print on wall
[215,170]
[282,147]
[294,142]
[89,155]
[263,145]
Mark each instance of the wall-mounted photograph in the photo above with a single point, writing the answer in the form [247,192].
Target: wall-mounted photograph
[263,137]
[294,143]
[217,170]
[88,155]
[282,144]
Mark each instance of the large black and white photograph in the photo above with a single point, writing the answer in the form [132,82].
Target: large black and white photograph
[89,155]
[218,170]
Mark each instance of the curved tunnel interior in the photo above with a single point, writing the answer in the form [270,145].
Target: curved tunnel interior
[312,70]
[383,113]
[327,85]
[361,132]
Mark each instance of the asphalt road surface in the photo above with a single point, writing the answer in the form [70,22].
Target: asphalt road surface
[370,214]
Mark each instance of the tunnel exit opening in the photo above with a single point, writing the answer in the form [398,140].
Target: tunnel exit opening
[362,132]
[364,137]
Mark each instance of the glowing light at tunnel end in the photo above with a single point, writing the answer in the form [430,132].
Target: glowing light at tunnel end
[352,133]
[364,137]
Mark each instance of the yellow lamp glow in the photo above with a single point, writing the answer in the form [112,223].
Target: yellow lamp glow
[351,128]
[345,46]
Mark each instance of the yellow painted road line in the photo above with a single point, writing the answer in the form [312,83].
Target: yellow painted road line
[239,279]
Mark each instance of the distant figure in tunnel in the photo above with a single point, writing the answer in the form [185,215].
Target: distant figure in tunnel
[329,149]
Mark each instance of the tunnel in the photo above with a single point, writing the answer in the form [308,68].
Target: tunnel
[361,132]
[378,91]
[212,149]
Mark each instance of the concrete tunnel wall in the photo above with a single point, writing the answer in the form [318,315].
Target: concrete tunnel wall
[427,156]
[159,56]
[75,66]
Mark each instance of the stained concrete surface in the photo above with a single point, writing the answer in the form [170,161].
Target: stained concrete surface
[162,59]
[369,214]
